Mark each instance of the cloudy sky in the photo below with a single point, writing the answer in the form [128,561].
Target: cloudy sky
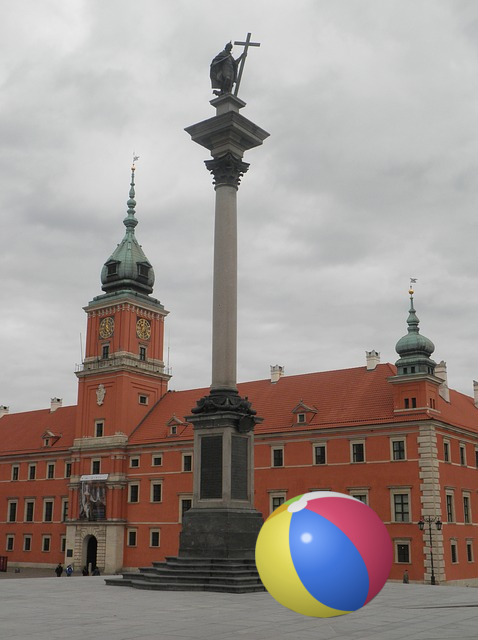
[369,177]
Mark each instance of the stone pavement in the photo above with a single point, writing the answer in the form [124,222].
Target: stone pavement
[85,608]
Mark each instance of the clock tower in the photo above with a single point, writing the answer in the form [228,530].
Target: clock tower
[120,379]
[123,373]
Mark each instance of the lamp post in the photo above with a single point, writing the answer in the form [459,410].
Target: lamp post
[438,523]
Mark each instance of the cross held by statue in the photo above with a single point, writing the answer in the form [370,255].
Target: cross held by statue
[246,46]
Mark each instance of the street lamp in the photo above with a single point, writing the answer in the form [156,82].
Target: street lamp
[438,524]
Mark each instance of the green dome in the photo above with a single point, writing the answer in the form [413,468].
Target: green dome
[128,267]
[414,349]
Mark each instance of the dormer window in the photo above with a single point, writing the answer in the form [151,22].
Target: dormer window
[143,270]
[303,413]
[173,430]
[112,269]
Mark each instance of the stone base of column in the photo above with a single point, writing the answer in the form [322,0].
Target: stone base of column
[219,533]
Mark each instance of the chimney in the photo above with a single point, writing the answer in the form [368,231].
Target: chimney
[373,359]
[440,372]
[4,410]
[276,372]
[475,392]
[55,404]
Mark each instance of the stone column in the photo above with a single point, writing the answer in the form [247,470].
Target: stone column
[223,522]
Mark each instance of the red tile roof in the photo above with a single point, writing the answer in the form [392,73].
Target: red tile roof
[347,397]
[22,432]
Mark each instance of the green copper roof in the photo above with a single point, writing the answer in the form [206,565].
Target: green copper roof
[414,349]
[127,267]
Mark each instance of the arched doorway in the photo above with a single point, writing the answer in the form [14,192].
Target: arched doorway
[91,549]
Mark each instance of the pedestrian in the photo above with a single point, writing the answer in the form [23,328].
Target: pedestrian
[69,570]
[85,571]
[59,569]
[405,577]
[96,572]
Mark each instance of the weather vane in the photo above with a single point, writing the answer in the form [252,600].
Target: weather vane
[412,282]
[135,157]
[226,71]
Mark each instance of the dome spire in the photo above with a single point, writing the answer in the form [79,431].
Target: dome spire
[414,349]
[128,268]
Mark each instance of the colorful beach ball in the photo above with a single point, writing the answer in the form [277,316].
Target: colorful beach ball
[323,554]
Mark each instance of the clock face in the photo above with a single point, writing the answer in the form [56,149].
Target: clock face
[107,327]
[143,329]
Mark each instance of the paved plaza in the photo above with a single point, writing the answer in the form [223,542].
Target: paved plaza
[85,608]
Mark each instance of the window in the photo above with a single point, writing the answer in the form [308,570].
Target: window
[476,457]
[186,504]
[414,400]
[32,471]
[95,467]
[142,353]
[358,452]
[47,510]
[187,462]
[157,460]
[156,491]
[64,509]
[301,418]
[466,510]
[27,543]
[277,457]
[50,470]
[462,455]
[143,399]
[432,403]
[133,493]
[154,538]
[407,403]
[398,449]
[12,511]
[450,511]
[319,454]
[446,451]
[131,538]
[363,497]
[112,269]
[67,469]
[402,552]
[63,544]
[46,543]
[401,507]
[173,430]
[469,551]
[29,510]
[10,542]
[276,499]
[134,462]
[454,554]
[99,429]
[15,472]
[106,352]
[143,270]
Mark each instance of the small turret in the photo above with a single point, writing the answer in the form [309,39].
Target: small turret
[128,268]
[414,349]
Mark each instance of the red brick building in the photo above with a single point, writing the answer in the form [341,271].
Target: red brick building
[106,481]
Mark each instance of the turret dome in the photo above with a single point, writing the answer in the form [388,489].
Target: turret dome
[128,268]
[414,349]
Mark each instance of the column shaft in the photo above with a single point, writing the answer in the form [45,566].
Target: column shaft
[224,323]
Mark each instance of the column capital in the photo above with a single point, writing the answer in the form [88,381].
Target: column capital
[227,169]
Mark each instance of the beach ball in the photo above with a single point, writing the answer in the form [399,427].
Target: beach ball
[323,554]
